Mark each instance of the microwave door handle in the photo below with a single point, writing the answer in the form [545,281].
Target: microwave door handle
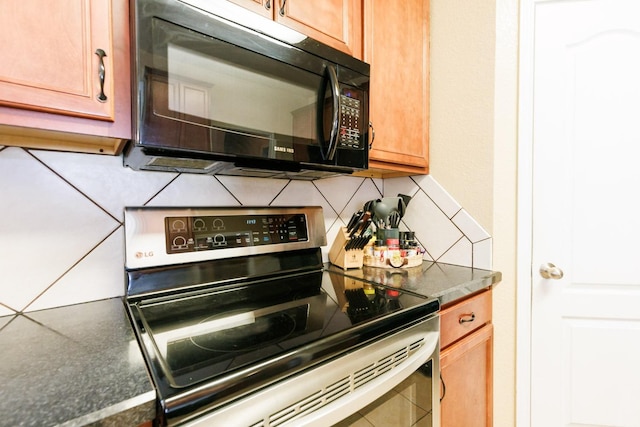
[335,122]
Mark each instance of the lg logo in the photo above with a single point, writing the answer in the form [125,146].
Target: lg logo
[144,254]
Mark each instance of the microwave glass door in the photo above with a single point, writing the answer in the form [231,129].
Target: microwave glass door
[212,96]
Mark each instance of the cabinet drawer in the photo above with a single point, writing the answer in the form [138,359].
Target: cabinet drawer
[464,317]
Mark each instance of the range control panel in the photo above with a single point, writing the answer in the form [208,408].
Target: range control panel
[205,233]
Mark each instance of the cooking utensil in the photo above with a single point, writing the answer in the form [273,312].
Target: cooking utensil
[382,209]
[394,219]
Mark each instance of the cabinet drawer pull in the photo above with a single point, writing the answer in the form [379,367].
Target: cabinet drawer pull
[467,318]
[284,2]
[101,73]
[267,5]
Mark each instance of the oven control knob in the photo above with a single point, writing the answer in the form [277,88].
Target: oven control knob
[219,240]
[179,242]
[178,225]
[199,225]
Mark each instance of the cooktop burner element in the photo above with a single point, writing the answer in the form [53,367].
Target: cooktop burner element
[217,324]
[241,333]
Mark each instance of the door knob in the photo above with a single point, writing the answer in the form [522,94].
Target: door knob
[550,271]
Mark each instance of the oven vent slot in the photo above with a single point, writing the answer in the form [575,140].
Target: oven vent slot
[341,388]
[378,368]
[312,403]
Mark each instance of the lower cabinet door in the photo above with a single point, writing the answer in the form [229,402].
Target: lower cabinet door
[466,370]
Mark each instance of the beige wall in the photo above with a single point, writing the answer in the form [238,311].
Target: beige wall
[473,147]
[462,104]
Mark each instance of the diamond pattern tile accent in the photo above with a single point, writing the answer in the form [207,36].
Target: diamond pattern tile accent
[194,190]
[433,229]
[461,253]
[304,193]
[5,311]
[105,181]
[367,191]
[46,226]
[253,191]
[98,276]
[470,227]
[61,231]
[482,254]
[4,321]
[403,185]
[438,194]
[347,186]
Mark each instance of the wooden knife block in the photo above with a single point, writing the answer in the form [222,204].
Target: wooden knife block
[341,284]
[342,258]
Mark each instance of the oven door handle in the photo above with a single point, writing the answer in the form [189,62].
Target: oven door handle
[335,119]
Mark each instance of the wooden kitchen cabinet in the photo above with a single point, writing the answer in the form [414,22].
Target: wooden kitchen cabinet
[466,363]
[337,23]
[396,44]
[53,55]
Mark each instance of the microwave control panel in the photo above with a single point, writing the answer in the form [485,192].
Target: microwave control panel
[204,233]
[351,116]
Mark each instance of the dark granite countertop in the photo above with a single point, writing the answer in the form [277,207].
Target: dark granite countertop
[72,366]
[81,364]
[446,282]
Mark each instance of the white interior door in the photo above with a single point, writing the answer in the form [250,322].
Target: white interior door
[585,326]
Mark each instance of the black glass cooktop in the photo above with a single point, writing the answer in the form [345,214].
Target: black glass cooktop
[281,324]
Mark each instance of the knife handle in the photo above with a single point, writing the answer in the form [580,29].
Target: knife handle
[354,220]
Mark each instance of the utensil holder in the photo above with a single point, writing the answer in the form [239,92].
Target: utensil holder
[388,233]
[384,262]
[341,257]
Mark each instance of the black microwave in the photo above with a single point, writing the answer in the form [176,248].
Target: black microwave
[219,89]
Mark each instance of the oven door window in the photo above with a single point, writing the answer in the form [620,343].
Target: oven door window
[208,95]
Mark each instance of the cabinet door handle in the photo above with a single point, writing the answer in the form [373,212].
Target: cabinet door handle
[267,5]
[373,135]
[465,318]
[101,74]
[281,12]
[444,388]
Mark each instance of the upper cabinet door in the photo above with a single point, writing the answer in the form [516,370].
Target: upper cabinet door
[337,23]
[397,47]
[262,7]
[57,57]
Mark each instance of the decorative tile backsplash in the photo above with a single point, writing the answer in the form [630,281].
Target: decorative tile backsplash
[62,232]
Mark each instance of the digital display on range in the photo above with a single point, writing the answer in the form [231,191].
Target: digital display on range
[205,233]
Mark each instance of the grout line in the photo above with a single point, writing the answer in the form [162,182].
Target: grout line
[279,193]
[70,268]
[227,190]
[160,190]
[73,186]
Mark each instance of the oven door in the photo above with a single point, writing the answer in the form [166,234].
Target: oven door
[212,88]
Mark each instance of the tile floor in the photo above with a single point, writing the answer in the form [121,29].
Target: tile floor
[407,405]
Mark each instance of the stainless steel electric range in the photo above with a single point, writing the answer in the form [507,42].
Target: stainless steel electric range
[241,325]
